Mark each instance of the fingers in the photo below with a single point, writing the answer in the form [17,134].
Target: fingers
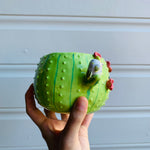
[35,114]
[87,120]
[50,114]
[64,117]
[76,118]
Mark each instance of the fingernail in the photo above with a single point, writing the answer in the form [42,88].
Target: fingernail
[81,105]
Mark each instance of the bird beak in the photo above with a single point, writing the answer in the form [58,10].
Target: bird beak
[88,75]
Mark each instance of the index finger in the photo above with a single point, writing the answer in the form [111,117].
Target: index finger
[87,120]
[35,114]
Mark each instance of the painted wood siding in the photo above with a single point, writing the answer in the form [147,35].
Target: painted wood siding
[118,29]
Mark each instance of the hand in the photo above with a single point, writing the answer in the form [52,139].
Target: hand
[69,133]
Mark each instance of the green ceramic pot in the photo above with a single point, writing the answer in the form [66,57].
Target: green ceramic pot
[62,77]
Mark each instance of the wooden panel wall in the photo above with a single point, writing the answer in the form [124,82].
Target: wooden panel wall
[118,29]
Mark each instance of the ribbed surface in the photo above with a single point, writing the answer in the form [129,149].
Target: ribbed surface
[61,72]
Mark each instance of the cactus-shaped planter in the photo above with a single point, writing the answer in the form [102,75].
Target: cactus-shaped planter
[62,77]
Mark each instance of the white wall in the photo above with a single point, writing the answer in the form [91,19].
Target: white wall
[118,29]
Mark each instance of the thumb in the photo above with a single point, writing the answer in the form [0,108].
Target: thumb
[76,118]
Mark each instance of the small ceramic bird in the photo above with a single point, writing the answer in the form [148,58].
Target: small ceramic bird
[94,72]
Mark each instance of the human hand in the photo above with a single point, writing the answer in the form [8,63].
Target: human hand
[69,133]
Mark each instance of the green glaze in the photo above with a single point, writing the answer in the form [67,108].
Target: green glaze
[60,80]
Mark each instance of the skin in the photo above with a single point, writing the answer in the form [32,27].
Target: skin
[71,132]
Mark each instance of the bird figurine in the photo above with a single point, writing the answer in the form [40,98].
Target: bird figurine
[62,77]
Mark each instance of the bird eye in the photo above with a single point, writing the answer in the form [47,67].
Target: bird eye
[96,68]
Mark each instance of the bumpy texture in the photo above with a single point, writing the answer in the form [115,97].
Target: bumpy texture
[61,78]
